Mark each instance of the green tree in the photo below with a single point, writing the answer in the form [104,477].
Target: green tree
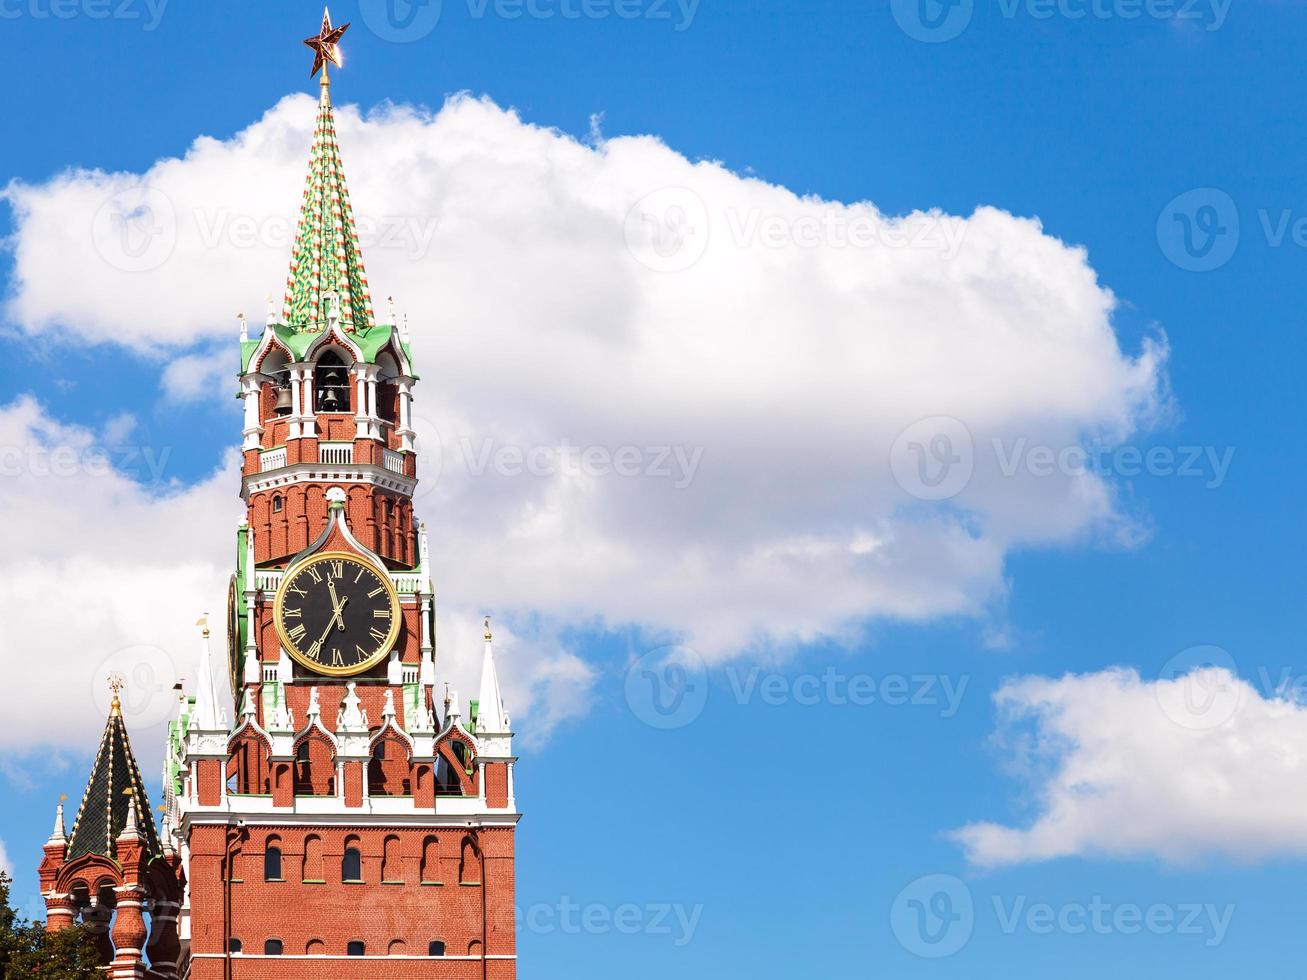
[28,952]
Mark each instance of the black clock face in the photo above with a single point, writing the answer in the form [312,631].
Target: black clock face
[337,615]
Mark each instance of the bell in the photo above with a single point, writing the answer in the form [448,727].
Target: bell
[283,400]
[330,400]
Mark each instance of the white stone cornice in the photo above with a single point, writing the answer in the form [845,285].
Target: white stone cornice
[365,473]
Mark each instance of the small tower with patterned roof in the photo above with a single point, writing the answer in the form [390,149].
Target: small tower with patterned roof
[110,870]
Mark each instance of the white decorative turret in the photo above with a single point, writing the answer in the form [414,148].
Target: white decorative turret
[352,726]
[352,717]
[131,831]
[58,835]
[209,716]
[245,327]
[493,732]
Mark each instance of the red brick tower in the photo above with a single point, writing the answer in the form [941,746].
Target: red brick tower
[115,873]
[344,814]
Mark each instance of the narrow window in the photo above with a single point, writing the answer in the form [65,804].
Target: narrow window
[233,945]
[272,863]
[436,948]
[351,867]
[355,948]
[277,504]
[272,947]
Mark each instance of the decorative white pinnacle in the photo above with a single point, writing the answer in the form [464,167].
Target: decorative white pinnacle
[58,836]
[245,327]
[388,708]
[130,831]
[351,717]
[490,708]
[272,313]
[208,716]
[315,707]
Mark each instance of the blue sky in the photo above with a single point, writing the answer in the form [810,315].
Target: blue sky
[787,831]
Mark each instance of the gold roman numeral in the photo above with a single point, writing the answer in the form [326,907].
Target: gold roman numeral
[313,573]
[295,613]
[336,659]
[376,592]
[296,634]
[313,651]
[299,592]
[381,614]
[377,635]
[337,569]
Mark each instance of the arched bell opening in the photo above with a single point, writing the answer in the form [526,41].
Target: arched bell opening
[330,384]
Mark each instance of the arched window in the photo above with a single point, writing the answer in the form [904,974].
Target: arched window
[436,948]
[278,502]
[351,865]
[392,866]
[233,945]
[430,861]
[272,860]
[273,947]
[313,859]
[355,947]
[469,872]
[331,384]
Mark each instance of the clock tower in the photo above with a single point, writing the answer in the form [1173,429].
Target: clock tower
[338,816]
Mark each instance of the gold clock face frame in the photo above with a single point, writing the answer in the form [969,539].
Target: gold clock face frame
[313,605]
[233,639]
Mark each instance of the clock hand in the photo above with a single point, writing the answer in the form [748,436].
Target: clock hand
[336,616]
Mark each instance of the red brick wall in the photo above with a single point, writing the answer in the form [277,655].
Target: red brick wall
[333,913]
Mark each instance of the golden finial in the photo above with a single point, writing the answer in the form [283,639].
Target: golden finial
[116,685]
[487,629]
[204,621]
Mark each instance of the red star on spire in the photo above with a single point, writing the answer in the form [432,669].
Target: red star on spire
[325,44]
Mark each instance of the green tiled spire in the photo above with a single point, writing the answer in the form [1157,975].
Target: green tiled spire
[103,812]
[326,257]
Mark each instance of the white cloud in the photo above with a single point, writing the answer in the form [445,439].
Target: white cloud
[106,576]
[1182,768]
[782,350]
[5,866]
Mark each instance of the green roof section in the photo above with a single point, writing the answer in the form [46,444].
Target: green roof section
[326,262]
[326,257]
[115,787]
